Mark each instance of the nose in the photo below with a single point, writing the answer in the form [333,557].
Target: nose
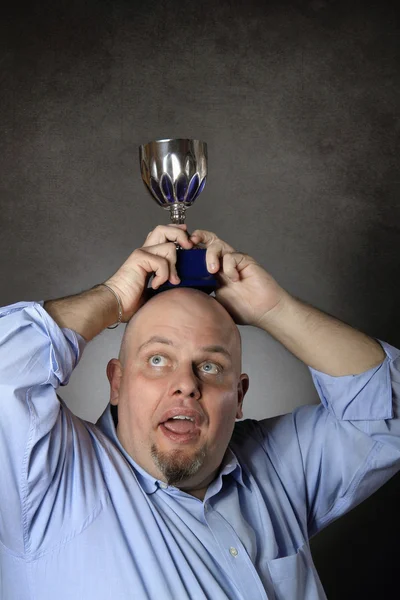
[185,384]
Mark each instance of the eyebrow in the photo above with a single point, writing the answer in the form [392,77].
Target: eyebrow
[214,349]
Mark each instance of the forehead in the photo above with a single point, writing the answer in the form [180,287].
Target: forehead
[183,324]
[189,316]
[188,321]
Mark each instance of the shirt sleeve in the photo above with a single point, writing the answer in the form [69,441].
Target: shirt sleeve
[335,455]
[350,446]
[36,357]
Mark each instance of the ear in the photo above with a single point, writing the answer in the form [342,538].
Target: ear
[114,374]
[243,386]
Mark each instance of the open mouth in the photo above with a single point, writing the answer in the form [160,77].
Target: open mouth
[180,430]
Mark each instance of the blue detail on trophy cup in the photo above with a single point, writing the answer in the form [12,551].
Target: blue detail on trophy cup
[181,187]
[175,171]
[167,188]
[201,188]
[193,187]
[155,188]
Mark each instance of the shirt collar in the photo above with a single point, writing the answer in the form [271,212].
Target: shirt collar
[229,466]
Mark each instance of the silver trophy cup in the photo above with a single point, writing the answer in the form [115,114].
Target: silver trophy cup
[174,172]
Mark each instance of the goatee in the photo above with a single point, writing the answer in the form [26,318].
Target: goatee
[176,466]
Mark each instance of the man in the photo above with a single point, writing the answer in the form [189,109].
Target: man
[166,497]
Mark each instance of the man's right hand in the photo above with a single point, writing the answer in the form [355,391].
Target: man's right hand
[158,256]
[92,311]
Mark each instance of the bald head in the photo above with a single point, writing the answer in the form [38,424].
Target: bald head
[184,309]
[181,352]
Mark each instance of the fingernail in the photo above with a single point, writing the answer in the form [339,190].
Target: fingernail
[211,266]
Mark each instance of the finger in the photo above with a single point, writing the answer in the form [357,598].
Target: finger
[168,233]
[151,263]
[168,252]
[213,256]
[208,238]
[229,266]
[200,235]
[216,248]
[181,226]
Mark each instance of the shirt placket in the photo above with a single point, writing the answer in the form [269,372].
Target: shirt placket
[239,565]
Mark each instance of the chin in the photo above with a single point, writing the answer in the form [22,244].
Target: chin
[178,465]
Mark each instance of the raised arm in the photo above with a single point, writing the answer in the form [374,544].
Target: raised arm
[320,340]
[40,345]
[253,297]
[334,455]
[92,311]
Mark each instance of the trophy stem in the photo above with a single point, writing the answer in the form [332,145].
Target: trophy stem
[177,214]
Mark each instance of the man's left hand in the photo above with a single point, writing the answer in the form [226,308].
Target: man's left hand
[246,290]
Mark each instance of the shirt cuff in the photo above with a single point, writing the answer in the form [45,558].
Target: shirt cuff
[74,338]
[66,345]
[364,397]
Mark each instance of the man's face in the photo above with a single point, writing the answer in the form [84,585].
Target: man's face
[181,357]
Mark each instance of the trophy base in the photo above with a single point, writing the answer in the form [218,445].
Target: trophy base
[191,267]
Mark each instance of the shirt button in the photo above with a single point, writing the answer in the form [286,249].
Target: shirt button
[163,485]
[233,551]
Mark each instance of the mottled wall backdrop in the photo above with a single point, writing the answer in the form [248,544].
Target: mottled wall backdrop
[299,104]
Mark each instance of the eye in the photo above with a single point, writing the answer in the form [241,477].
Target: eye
[156,360]
[211,368]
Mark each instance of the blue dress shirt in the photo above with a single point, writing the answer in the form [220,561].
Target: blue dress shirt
[79,519]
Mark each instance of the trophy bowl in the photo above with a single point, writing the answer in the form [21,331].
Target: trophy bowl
[174,171]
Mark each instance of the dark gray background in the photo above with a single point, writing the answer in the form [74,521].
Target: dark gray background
[299,104]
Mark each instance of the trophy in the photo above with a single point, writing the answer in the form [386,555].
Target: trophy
[174,171]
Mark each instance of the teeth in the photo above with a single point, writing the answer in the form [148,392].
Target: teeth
[183,417]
